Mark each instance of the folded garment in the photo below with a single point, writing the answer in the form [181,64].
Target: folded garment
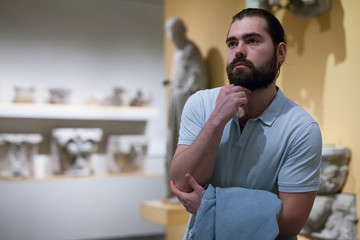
[236,213]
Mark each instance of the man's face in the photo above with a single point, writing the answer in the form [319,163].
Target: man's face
[251,57]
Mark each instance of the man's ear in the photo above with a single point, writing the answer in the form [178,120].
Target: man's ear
[281,52]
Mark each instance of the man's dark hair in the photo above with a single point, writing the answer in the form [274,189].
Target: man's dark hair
[273,27]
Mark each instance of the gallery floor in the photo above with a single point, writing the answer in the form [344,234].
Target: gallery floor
[156,237]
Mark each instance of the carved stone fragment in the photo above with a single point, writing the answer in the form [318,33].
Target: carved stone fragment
[126,153]
[72,149]
[17,152]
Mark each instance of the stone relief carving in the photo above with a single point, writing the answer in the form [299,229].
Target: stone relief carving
[301,8]
[17,152]
[126,153]
[73,148]
[333,215]
[334,169]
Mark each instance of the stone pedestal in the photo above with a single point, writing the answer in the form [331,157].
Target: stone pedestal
[173,216]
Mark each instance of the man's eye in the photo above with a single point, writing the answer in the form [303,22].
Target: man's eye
[231,44]
[253,41]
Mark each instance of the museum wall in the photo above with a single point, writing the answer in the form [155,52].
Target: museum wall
[320,73]
[89,47]
[86,46]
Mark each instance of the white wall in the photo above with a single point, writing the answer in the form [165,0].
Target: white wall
[89,46]
[82,208]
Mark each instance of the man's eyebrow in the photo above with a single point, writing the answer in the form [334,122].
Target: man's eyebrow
[230,39]
[246,35]
[252,34]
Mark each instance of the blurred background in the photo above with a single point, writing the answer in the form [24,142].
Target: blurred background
[92,47]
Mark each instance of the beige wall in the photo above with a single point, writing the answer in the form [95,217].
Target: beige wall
[321,72]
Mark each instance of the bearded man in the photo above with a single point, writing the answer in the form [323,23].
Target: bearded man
[247,136]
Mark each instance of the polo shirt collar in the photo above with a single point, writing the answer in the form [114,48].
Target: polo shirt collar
[274,109]
[271,113]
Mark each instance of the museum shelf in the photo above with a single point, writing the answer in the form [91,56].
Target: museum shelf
[56,177]
[76,112]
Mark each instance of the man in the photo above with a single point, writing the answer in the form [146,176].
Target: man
[248,134]
[187,76]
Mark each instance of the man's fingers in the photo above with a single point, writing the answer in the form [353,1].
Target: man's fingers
[192,182]
[235,88]
[174,188]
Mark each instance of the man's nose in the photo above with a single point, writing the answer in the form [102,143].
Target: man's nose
[240,50]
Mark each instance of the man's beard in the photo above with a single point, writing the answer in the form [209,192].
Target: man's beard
[251,77]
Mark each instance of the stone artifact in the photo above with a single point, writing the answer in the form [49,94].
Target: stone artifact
[95,98]
[126,153]
[72,149]
[334,169]
[187,76]
[119,97]
[301,8]
[141,99]
[24,94]
[17,152]
[333,215]
[59,95]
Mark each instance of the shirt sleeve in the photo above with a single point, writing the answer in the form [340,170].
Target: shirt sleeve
[192,119]
[301,170]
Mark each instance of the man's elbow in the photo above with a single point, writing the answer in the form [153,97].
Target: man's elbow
[179,180]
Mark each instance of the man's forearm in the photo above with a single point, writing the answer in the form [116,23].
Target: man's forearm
[197,159]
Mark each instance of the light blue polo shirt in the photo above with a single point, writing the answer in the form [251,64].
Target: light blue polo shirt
[280,151]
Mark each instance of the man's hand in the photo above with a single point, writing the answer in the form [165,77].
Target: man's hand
[230,101]
[191,201]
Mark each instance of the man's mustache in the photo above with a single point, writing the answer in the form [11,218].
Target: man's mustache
[241,60]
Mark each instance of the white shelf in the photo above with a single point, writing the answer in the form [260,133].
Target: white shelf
[76,112]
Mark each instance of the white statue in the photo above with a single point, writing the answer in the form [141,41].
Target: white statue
[72,149]
[187,76]
[17,152]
